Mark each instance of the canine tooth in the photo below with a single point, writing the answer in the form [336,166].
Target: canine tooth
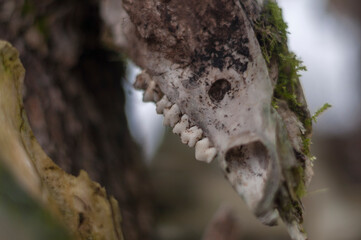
[204,152]
[171,116]
[191,136]
[163,104]
[182,125]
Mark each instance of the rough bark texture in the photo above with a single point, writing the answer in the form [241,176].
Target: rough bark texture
[74,99]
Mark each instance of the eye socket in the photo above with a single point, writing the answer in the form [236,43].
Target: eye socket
[219,89]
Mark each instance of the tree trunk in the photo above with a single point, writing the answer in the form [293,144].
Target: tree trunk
[74,100]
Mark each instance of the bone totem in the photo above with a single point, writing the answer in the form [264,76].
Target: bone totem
[203,67]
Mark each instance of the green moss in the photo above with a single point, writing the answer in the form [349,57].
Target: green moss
[320,111]
[288,198]
[289,209]
[300,188]
[274,104]
[306,141]
[271,31]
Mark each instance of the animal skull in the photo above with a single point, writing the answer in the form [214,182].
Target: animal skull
[204,68]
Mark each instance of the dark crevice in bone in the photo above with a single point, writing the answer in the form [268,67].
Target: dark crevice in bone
[248,170]
[219,89]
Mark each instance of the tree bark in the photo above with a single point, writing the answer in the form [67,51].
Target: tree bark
[75,102]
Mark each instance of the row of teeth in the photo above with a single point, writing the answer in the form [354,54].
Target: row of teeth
[190,135]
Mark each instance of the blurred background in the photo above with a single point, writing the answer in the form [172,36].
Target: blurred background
[74,97]
[326,35]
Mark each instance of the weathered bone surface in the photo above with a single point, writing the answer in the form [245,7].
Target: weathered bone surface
[206,60]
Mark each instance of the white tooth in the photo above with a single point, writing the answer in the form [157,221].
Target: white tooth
[191,136]
[149,93]
[163,104]
[182,125]
[171,116]
[204,152]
